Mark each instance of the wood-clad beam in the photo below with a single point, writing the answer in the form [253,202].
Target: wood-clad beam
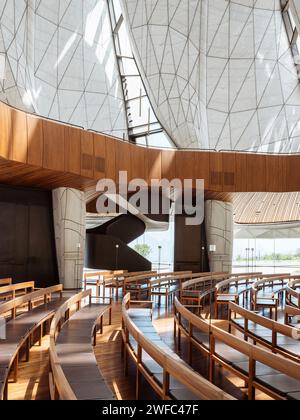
[43,153]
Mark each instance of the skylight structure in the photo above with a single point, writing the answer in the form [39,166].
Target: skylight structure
[60,62]
[143,125]
[220,74]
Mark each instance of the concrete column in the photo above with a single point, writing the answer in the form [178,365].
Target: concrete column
[219,232]
[69,212]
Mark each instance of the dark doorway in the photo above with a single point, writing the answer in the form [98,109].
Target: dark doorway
[190,247]
[27,242]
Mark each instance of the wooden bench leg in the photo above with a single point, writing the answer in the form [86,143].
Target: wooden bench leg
[101,325]
[94,337]
[40,335]
[27,350]
[252,373]
[110,316]
[16,367]
[216,310]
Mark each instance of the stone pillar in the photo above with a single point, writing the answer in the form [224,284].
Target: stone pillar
[219,232]
[69,211]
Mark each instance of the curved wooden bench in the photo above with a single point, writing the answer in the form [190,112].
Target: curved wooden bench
[273,374]
[169,376]
[291,312]
[277,337]
[159,285]
[74,371]
[96,279]
[292,294]
[21,329]
[117,282]
[14,290]
[139,285]
[268,300]
[230,289]
[193,291]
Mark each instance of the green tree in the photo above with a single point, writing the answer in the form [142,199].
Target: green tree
[144,250]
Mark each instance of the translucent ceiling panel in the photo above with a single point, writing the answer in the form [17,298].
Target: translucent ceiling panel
[60,62]
[220,74]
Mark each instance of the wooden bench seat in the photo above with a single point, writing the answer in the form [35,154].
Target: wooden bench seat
[19,334]
[273,379]
[75,356]
[265,335]
[12,291]
[259,367]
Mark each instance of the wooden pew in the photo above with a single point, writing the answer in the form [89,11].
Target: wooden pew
[74,371]
[223,293]
[277,337]
[116,281]
[168,375]
[97,279]
[21,328]
[261,369]
[293,292]
[14,290]
[268,302]
[192,291]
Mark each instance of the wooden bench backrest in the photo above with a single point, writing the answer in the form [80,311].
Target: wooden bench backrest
[5,282]
[254,352]
[212,277]
[22,300]
[174,367]
[16,287]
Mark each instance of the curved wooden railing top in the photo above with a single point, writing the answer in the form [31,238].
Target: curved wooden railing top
[253,352]
[11,290]
[45,294]
[172,367]
[64,389]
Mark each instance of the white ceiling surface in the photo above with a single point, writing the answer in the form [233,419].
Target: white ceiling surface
[219,73]
[60,62]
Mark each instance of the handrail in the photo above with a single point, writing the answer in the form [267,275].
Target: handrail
[11,306]
[16,287]
[255,353]
[172,367]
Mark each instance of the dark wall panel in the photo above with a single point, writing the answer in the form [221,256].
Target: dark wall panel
[27,243]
